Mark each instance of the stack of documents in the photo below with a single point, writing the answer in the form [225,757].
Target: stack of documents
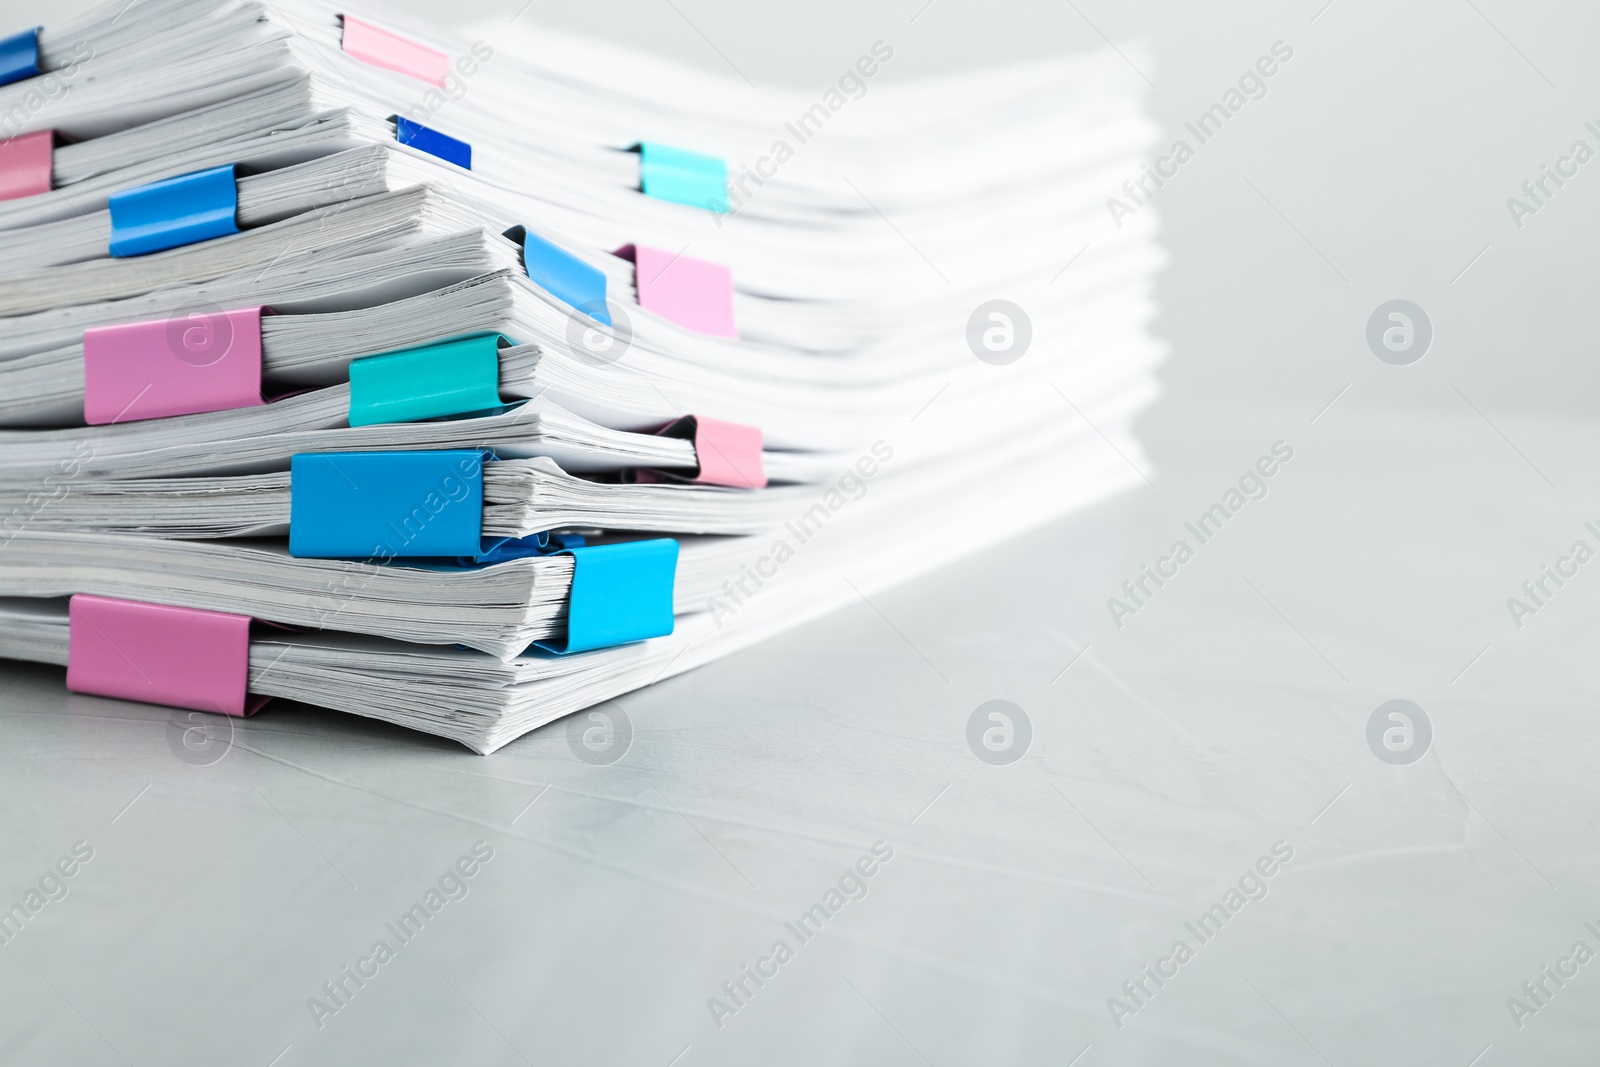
[464,381]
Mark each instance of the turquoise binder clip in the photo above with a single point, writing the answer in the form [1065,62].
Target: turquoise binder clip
[431,141]
[19,56]
[386,505]
[449,378]
[621,593]
[174,212]
[682,177]
[562,274]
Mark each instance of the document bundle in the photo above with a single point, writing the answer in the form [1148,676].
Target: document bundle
[464,381]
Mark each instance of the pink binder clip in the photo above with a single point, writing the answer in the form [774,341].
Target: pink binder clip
[25,164]
[181,657]
[690,292]
[147,370]
[390,51]
[727,453]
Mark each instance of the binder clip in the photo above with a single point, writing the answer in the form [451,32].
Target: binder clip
[26,164]
[19,56]
[621,593]
[179,366]
[386,505]
[431,141]
[380,48]
[683,177]
[181,657]
[174,212]
[450,378]
[563,275]
[727,454]
[693,293]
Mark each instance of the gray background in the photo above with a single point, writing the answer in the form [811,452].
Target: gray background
[1227,715]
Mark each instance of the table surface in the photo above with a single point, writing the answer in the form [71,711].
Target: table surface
[231,879]
[1225,720]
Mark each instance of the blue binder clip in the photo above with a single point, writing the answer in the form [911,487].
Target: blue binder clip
[432,142]
[174,212]
[621,593]
[683,177]
[545,543]
[393,505]
[19,56]
[386,505]
[562,274]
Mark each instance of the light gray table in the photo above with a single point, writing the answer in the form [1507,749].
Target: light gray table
[1168,756]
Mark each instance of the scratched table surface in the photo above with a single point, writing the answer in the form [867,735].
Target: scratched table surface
[1184,843]
[1202,829]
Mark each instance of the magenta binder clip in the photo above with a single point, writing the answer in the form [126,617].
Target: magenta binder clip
[181,657]
[690,292]
[205,361]
[728,454]
[368,43]
[25,164]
